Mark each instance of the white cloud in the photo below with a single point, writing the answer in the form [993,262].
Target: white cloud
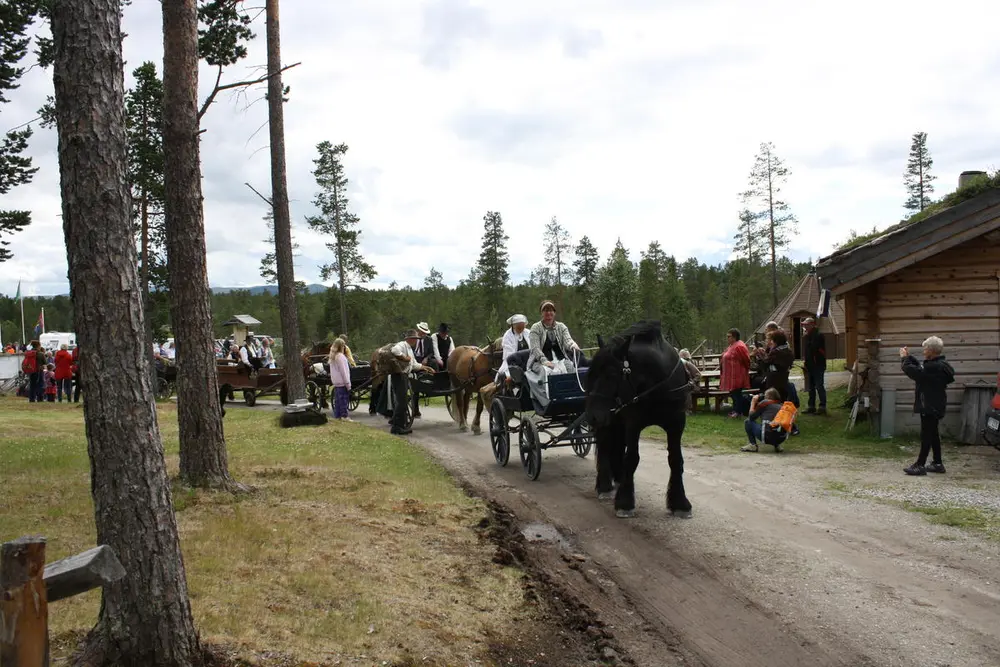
[636,119]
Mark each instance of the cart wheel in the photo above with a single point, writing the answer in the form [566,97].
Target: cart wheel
[581,449]
[312,393]
[162,389]
[408,420]
[354,402]
[249,398]
[499,435]
[531,452]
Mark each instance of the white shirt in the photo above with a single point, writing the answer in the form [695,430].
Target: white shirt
[510,342]
[402,349]
[244,357]
[170,352]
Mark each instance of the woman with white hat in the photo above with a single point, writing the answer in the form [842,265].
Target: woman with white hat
[514,340]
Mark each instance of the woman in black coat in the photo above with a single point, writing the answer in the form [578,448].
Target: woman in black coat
[932,378]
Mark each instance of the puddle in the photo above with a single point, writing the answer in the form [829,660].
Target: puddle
[543,532]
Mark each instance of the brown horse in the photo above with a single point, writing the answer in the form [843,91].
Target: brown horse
[471,369]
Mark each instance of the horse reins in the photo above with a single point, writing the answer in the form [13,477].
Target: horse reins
[626,377]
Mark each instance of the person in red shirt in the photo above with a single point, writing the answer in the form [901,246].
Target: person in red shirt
[64,373]
[735,370]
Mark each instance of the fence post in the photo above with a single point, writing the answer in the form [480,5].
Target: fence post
[24,614]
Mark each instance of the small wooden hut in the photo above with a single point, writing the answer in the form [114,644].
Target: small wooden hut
[937,276]
[803,302]
[241,325]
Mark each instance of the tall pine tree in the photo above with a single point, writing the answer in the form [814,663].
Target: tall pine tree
[586,263]
[558,247]
[769,173]
[491,271]
[16,17]
[751,238]
[918,178]
[335,219]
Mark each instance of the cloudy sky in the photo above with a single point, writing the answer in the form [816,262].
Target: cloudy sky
[636,119]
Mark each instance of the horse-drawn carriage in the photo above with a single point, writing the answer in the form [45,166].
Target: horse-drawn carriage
[541,422]
[253,383]
[319,386]
[166,379]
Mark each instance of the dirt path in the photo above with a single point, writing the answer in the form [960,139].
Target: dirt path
[774,570]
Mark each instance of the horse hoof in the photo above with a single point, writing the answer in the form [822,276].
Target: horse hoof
[476,430]
[625,514]
[682,514]
[463,429]
[606,495]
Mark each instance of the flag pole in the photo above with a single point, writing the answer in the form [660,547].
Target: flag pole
[23,340]
[43,320]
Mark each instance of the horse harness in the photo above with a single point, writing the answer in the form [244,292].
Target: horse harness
[626,376]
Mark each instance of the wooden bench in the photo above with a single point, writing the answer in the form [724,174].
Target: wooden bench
[717,395]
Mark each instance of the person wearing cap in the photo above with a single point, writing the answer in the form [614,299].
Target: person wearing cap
[423,352]
[404,363]
[549,341]
[515,340]
[814,360]
[442,346]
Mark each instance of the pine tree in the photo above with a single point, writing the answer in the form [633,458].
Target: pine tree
[16,17]
[769,173]
[491,271]
[434,280]
[918,177]
[348,267]
[751,237]
[614,303]
[586,263]
[558,247]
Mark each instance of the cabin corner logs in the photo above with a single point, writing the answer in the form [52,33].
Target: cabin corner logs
[955,295]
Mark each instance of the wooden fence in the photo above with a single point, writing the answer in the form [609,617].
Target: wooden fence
[27,586]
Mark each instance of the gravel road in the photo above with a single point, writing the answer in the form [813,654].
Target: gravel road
[779,566]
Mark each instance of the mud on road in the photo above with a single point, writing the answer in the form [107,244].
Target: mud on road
[776,569]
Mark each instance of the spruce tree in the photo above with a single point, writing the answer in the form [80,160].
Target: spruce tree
[918,178]
[335,219]
[491,271]
[586,263]
[614,303]
[751,238]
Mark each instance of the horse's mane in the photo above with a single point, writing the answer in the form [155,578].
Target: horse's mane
[646,331]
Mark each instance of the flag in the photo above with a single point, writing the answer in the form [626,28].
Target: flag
[18,295]
[40,326]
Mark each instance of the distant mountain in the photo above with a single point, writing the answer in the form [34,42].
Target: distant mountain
[266,289]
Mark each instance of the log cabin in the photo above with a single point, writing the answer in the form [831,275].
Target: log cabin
[937,276]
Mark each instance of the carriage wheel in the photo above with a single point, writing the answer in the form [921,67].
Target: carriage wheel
[531,452]
[249,397]
[499,435]
[581,449]
[162,389]
[353,402]
[408,420]
[312,393]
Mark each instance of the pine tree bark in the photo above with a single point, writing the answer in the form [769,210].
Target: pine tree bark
[294,378]
[145,619]
[203,459]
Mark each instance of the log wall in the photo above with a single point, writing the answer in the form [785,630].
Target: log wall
[954,295]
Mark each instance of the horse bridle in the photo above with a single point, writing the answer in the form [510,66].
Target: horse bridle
[626,377]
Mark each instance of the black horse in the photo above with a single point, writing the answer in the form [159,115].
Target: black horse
[636,380]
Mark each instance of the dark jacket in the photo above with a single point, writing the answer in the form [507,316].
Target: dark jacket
[776,365]
[931,377]
[814,350]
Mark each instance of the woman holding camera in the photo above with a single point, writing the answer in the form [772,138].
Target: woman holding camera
[932,378]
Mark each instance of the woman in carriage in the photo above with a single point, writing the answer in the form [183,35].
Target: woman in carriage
[515,341]
[550,343]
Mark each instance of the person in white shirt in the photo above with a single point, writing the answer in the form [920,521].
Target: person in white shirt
[406,363]
[515,339]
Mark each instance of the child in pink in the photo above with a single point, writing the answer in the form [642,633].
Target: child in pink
[50,383]
[340,377]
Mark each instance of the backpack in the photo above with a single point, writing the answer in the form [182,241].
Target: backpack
[30,363]
[785,418]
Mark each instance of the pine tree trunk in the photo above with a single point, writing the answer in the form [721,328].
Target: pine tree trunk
[203,460]
[145,618]
[774,251]
[294,379]
[340,260]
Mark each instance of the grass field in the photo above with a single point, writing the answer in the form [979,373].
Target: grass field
[355,542]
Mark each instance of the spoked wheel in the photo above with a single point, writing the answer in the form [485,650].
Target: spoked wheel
[249,397]
[162,389]
[408,420]
[313,393]
[581,449]
[499,435]
[531,451]
[353,402]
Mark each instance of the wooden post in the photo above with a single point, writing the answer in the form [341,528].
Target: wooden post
[24,637]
